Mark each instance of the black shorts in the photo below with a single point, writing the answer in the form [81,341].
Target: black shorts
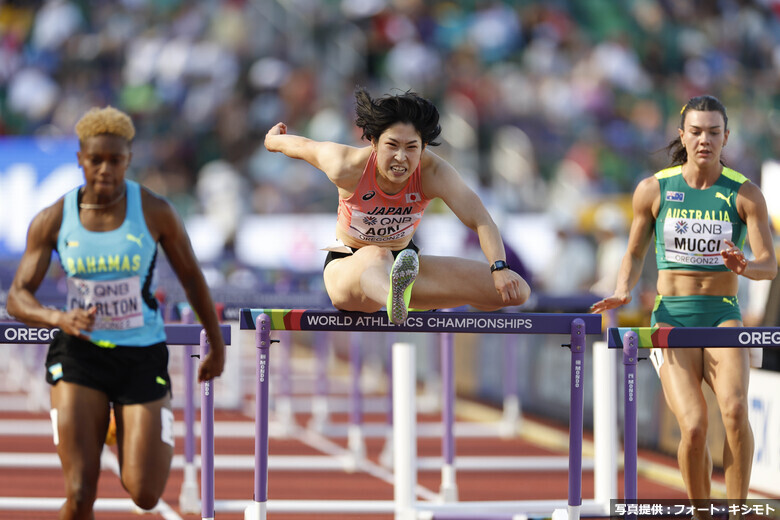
[334,255]
[127,375]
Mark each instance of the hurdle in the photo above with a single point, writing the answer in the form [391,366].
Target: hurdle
[182,334]
[404,505]
[430,398]
[631,339]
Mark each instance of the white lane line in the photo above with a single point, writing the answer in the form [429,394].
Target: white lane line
[317,441]
[42,427]
[246,429]
[106,505]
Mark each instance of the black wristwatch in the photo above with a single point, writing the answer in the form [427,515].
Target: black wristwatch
[499,265]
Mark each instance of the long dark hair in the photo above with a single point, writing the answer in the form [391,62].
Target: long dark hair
[703,104]
[374,116]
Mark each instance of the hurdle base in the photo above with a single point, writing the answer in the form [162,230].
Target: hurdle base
[320,413]
[511,418]
[189,497]
[386,456]
[256,511]
[448,490]
[285,416]
[356,444]
[429,400]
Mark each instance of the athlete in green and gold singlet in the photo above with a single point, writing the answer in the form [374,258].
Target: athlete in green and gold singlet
[701,212]
[693,224]
[691,229]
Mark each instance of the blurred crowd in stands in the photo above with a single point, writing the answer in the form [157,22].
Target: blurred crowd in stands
[547,105]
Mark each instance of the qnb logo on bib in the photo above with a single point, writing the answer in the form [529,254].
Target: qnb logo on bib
[117,303]
[695,241]
[81,287]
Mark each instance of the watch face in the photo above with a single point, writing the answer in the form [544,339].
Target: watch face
[498,265]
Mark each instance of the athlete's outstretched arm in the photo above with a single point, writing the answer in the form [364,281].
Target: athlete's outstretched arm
[22,303]
[176,243]
[752,208]
[443,181]
[295,146]
[341,163]
[646,195]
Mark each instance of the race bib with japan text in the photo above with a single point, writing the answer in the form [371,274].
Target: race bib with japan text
[381,226]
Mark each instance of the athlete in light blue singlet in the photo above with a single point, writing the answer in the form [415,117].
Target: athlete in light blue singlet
[110,352]
[112,272]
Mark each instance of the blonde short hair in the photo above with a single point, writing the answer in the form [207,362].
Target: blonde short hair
[108,120]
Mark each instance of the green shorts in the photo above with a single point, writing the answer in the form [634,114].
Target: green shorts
[695,311]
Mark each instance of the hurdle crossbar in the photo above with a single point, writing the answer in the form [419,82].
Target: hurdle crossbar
[696,337]
[631,339]
[17,333]
[464,322]
[576,326]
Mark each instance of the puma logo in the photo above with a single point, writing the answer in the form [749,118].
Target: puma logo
[137,239]
[719,195]
[730,301]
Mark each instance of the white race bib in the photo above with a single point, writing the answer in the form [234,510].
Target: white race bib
[694,241]
[118,302]
[381,227]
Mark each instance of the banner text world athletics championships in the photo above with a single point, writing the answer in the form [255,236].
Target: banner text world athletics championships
[443,321]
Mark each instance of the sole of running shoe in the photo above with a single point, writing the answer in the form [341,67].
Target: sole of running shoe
[402,276]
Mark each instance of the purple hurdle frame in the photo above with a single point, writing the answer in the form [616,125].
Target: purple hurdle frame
[449,488]
[633,338]
[188,495]
[355,441]
[206,439]
[176,334]
[576,326]
[263,343]
[630,477]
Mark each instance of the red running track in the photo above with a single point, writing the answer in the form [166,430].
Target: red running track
[237,484]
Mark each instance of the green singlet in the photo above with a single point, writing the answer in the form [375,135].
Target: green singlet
[692,224]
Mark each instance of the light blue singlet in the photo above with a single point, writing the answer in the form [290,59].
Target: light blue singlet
[113,271]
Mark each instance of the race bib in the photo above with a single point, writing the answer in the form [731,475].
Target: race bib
[118,303]
[382,227]
[693,241]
